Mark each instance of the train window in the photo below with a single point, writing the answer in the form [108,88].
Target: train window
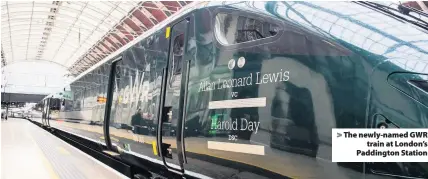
[179,45]
[420,90]
[420,84]
[232,29]
[414,85]
[178,50]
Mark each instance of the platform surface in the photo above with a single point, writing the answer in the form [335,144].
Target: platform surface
[28,151]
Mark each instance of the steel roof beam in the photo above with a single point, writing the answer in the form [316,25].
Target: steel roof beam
[68,33]
[146,13]
[105,17]
[29,31]
[102,45]
[162,8]
[10,31]
[134,20]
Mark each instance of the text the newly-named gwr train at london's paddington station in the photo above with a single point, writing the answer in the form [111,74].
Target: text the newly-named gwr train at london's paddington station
[387,135]
[260,78]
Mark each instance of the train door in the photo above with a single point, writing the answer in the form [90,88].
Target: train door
[45,112]
[398,99]
[172,100]
[48,113]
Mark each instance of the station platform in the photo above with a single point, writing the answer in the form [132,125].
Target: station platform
[28,151]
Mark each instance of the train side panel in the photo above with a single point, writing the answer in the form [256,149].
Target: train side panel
[267,85]
[83,114]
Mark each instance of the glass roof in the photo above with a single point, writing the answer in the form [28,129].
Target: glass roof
[72,35]
[75,34]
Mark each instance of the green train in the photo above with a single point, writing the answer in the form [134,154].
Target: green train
[253,89]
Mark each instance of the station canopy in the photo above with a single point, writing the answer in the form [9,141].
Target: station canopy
[75,34]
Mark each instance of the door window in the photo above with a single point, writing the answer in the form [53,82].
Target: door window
[176,63]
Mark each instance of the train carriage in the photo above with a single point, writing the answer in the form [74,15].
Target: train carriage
[253,89]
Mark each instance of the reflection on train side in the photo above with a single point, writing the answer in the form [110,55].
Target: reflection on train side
[286,130]
[293,129]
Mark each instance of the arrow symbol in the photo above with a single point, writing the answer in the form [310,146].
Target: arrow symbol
[339,135]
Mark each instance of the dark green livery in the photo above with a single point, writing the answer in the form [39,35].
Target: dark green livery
[253,89]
